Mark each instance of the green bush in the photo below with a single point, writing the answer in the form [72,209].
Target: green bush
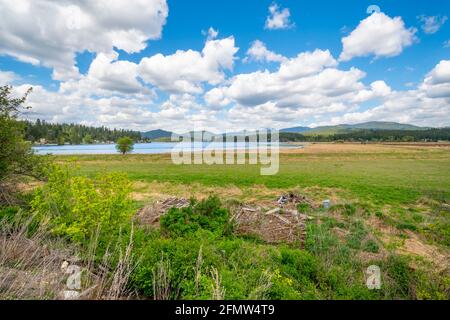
[207,215]
[283,287]
[301,265]
[182,256]
[299,269]
[79,206]
[125,145]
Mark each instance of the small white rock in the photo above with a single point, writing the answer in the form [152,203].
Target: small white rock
[70,295]
[64,266]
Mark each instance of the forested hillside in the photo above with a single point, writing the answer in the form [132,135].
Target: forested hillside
[43,132]
[429,135]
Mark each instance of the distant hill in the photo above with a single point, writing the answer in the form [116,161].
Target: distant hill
[346,128]
[156,134]
[380,125]
[161,135]
[296,129]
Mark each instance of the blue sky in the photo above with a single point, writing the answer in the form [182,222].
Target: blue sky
[94,98]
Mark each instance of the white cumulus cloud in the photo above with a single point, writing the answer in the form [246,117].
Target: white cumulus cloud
[6,77]
[259,52]
[437,82]
[185,71]
[309,80]
[211,34]
[278,18]
[107,76]
[432,24]
[378,35]
[51,33]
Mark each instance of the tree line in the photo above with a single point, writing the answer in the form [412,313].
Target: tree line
[50,133]
[44,132]
[429,135]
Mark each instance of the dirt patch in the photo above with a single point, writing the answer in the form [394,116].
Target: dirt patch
[320,148]
[386,231]
[342,148]
[372,256]
[413,245]
[258,195]
[158,191]
[29,186]
[341,233]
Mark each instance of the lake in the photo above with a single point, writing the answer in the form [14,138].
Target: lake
[143,148]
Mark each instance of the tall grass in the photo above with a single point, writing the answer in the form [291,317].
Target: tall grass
[32,264]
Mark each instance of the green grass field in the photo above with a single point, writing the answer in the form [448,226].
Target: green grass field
[390,209]
[392,175]
[405,186]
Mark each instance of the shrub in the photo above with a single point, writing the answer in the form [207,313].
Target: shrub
[184,264]
[301,265]
[79,206]
[282,287]
[16,155]
[207,215]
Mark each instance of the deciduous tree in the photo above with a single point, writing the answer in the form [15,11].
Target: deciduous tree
[125,145]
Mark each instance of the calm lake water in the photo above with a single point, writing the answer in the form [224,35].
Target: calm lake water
[141,148]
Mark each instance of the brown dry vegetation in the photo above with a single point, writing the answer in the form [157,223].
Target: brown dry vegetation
[33,265]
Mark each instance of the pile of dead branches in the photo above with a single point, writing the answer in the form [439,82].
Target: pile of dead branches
[150,215]
[280,224]
[291,201]
[274,226]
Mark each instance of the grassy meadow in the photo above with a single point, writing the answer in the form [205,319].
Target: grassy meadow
[390,207]
[380,174]
[399,194]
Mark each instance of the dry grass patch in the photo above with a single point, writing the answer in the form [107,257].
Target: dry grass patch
[415,246]
[321,148]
